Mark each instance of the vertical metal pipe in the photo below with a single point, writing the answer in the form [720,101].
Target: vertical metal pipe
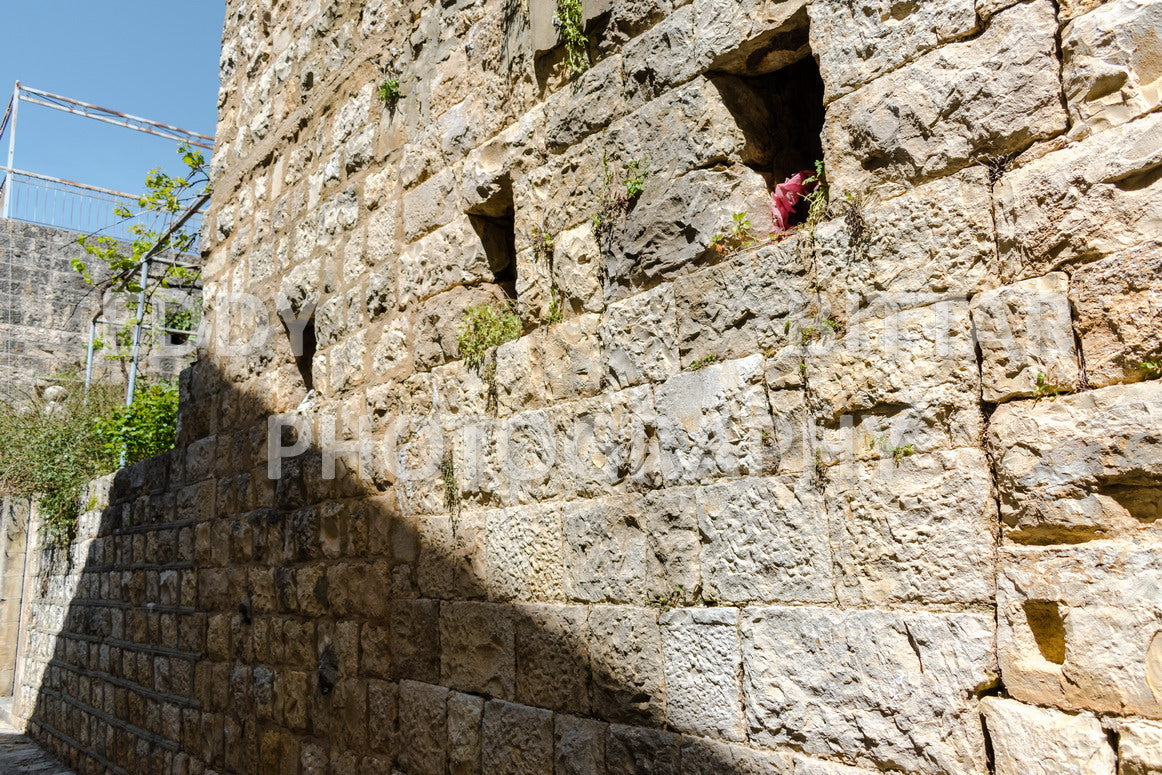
[136,353]
[12,146]
[89,356]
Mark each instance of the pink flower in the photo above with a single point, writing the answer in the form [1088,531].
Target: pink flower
[787,195]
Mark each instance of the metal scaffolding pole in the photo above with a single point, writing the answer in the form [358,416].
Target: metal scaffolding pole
[14,110]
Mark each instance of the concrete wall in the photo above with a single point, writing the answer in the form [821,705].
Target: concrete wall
[879,496]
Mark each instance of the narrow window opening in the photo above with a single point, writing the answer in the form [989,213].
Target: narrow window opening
[300,331]
[1048,627]
[495,224]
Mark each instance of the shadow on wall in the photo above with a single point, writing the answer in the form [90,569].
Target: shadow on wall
[223,622]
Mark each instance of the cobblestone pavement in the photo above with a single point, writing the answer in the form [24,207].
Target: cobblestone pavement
[20,756]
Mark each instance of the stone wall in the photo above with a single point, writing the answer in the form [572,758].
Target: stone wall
[45,309]
[878,496]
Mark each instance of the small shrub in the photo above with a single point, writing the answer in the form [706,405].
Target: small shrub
[145,428]
[570,23]
[484,327]
[1153,369]
[825,327]
[556,308]
[901,452]
[389,92]
[739,236]
[1044,388]
[702,363]
[636,173]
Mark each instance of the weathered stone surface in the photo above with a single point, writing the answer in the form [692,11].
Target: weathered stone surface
[1110,72]
[626,652]
[639,336]
[741,306]
[1078,626]
[673,543]
[477,650]
[455,254]
[523,553]
[438,321]
[1078,467]
[916,530]
[703,663]
[552,660]
[1092,198]
[465,712]
[634,750]
[702,756]
[998,91]
[604,551]
[931,243]
[517,740]
[1025,335]
[710,422]
[852,681]
[1140,748]
[579,745]
[856,44]
[1119,315]
[764,540]
[806,766]
[423,727]
[1034,741]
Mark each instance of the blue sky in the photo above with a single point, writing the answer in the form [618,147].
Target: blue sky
[153,58]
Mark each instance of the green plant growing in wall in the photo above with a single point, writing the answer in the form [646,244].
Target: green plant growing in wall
[570,23]
[902,451]
[702,363]
[388,92]
[483,328]
[739,235]
[616,198]
[451,484]
[1153,369]
[556,308]
[1043,387]
[826,326]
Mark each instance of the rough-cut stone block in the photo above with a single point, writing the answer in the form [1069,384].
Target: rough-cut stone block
[1078,626]
[995,93]
[1110,73]
[626,652]
[659,58]
[605,444]
[934,241]
[711,422]
[741,306]
[465,712]
[639,337]
[576,270]
[477,651]
[1119,315]
[523,553]
[1025,335]
[1140,748]
[923,359]
[702,756]
[415,640]
[917,530]
[604,551]
[1079,467]
[807,766]
[438,321]
[552,659]
[749,36]
[667,230]
[1090,199]
[454,254]
[635,750]
[579,746]
[1037,741]
[518,740]
[764,540]
[892,689]
[673,543]
[585,105]
[703,663]
[423,715]
[859,43]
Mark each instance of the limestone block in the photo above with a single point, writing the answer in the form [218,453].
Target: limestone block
[1025,335]
[764,540]
[572,358]
[465,713]
[520,376]
[518,740]
[639,338]
[423,713]
[1140,748]
[579,746]
[1079,467]
[477,649]
[749,36]
[585,104]
[703,661]
[523,553]
[415,640]
[565,190]
[920,530]
[994,93]
[932,242]
[432,204]
[451,255]
[552,663]
[806,766]
[1092,198]
[626,651]
[1037,741]
[826,680]
[576,270]
[660,58]
[1109,70]
[604,551]
[858,44]
[667,230]
[673,543]
[1078,626]
[702,756]
[1119,315]
[710,422]
[606,444]
[922,359]
[740,306]
[633,750]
